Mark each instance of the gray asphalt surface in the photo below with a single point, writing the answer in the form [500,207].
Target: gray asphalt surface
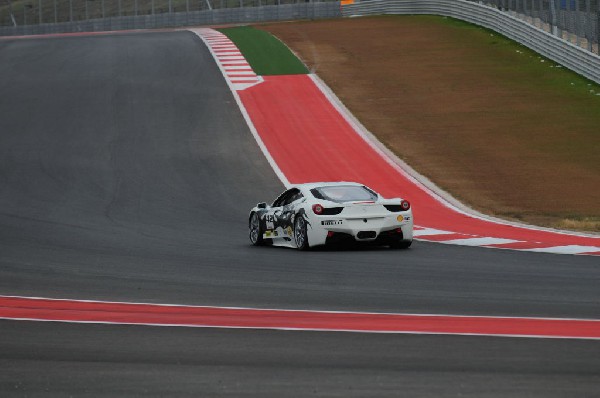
[126,174]
[113,361]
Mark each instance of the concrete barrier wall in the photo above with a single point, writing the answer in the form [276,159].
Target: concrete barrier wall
[284,12]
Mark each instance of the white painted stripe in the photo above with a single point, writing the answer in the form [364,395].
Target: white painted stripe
[225,58]
[431,231]
[479,241]
[244,80]
[237,67]
[241,72]
[242,86]
[570,249]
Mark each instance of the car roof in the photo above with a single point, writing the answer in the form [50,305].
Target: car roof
[312,185]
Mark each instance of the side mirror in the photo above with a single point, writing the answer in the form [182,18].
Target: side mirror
[262,205]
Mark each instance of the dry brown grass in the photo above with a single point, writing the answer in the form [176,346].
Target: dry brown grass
[483,118]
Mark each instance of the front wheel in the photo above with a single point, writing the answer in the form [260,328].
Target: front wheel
[300,235]
[256,233]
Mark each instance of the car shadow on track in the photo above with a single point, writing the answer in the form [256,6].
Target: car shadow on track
[340,247]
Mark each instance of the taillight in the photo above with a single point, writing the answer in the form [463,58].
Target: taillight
[317,209]
[405,205]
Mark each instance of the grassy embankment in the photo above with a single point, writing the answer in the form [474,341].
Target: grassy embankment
[504,130]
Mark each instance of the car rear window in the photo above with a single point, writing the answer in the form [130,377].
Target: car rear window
[344,193]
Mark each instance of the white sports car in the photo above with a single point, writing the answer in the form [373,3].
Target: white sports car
[308,215]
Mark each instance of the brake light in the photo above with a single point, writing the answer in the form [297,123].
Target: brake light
[405,205]
[317,209]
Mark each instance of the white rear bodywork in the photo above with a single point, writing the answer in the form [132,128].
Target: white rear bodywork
[364,221]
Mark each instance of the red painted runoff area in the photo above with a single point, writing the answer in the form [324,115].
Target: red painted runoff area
[173,315]
[311,141]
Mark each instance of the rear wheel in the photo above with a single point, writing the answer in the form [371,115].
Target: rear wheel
[300,235]
[256,232]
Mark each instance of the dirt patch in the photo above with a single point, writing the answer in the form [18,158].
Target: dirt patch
[500,128]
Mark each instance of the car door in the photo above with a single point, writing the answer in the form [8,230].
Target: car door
[272,218]
[279,220]
[289,211]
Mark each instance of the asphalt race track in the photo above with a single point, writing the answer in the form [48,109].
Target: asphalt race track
[126,174]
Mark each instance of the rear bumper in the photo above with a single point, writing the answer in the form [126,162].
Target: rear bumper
[383,238]
[380,231]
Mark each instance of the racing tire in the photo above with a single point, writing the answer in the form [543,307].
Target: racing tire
[401,244]
[256,231]
[300,234]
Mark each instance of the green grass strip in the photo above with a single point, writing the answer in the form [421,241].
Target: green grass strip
[264,52]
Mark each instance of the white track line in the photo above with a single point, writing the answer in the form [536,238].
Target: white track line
[570,249]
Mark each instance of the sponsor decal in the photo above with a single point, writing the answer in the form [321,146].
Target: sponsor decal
[289,231]
[268,233]
[332,222]
[275,233]
[270,219]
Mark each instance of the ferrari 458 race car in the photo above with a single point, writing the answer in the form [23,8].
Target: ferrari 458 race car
[308,215]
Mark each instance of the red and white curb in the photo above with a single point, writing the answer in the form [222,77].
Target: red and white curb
[119,313]
[235,68]
[457,238]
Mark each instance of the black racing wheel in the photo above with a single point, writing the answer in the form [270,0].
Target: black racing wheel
[256,232]
[300,235]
